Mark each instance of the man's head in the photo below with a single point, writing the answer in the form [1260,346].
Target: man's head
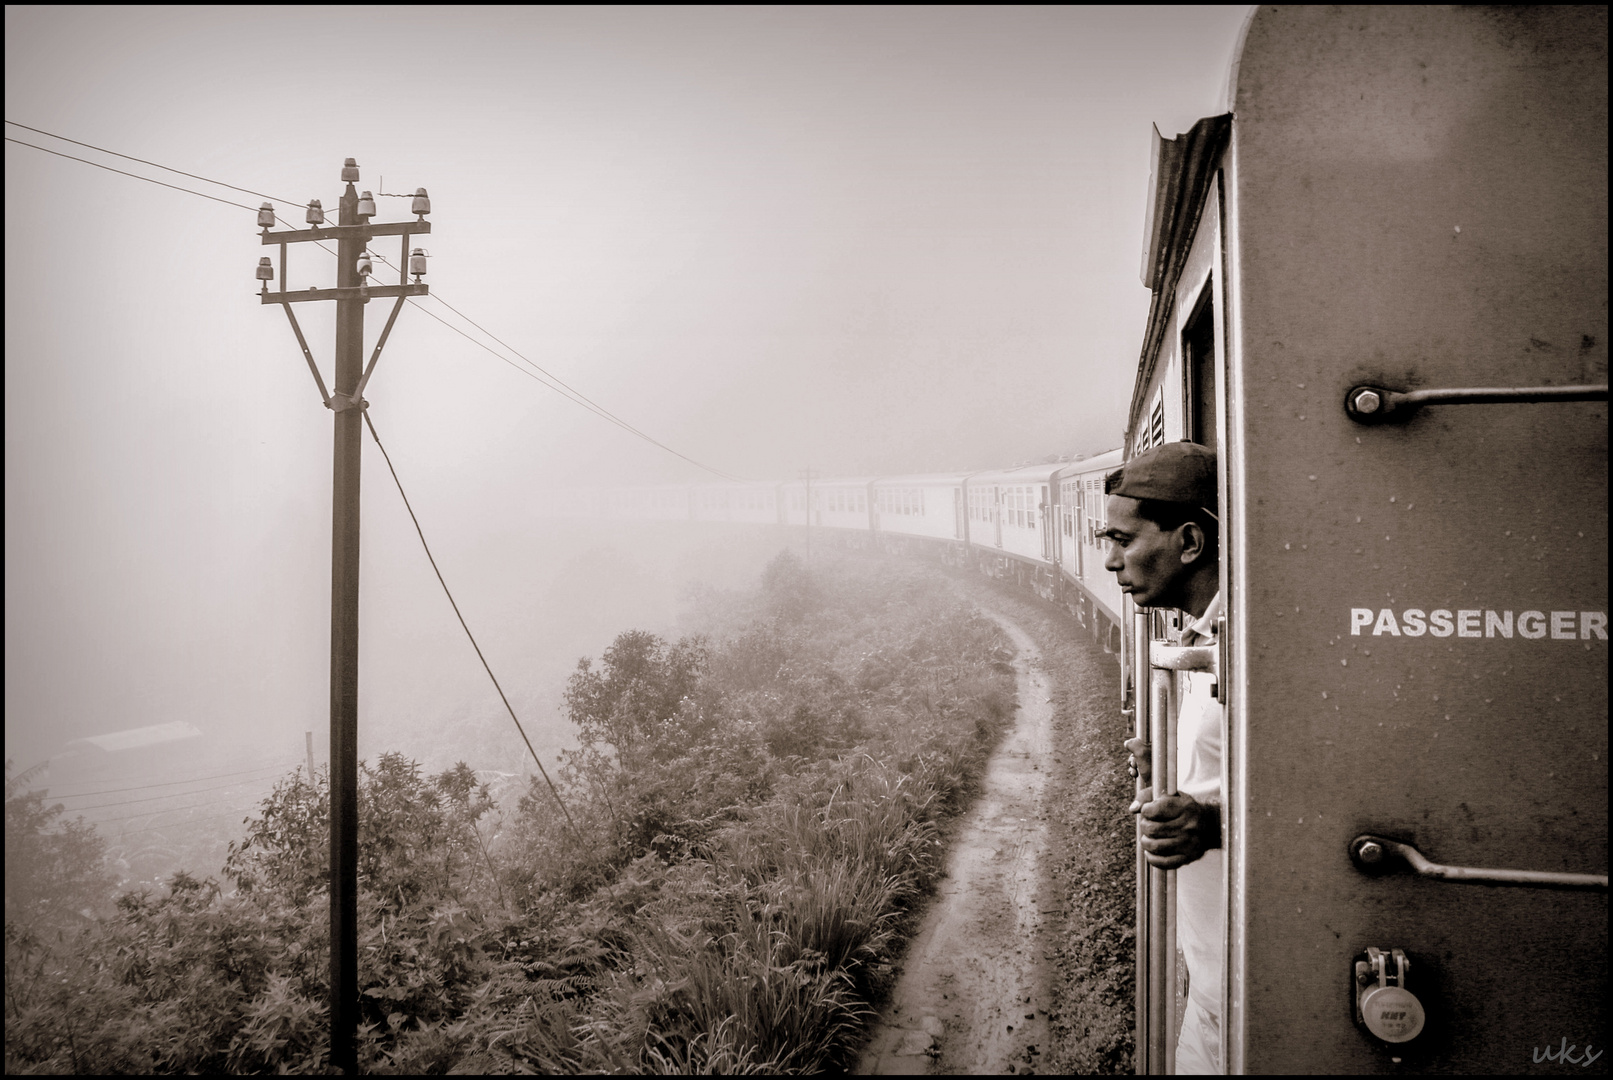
[1163,533]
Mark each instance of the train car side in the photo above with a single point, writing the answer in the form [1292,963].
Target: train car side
[1402,198]
[1089,590]
[1010,536]
[921,513]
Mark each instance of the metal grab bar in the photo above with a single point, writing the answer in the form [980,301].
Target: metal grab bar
[1184,657]
[1375,405]
[1370,853]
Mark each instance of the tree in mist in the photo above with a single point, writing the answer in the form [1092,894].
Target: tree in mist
[790,590]
[642,683]
[55,869]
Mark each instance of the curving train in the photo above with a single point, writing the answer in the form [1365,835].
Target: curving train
[1379,291]
[1035,524]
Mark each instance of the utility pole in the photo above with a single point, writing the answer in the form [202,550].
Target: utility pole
[808,475]
[352,234]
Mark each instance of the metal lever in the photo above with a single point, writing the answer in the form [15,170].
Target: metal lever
[1371,853]
[1375,405]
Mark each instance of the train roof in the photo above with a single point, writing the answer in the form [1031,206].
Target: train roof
[1107,461]
[922,479]
[1019,474]
[832,481]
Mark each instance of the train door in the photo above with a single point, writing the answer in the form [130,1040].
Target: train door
[997,515]
[1419,711]
[1048,522]
[1181,400]
[960,512]
[1078,527]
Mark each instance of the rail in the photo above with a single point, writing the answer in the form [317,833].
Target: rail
[1376,853]
[1376,405]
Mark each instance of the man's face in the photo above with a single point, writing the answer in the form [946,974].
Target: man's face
[1146,560]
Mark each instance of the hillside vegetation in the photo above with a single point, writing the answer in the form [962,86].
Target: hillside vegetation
[720,883]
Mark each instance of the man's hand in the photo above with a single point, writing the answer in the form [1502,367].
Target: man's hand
[1177,829]
[1141,767]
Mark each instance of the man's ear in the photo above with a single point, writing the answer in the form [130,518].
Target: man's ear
[1193,542]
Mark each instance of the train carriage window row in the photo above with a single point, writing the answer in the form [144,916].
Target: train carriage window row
[844,501]
[909,501]
[1067,503]
[980,503]
[1020,504]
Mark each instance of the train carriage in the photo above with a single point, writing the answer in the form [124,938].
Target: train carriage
[793,503]
[1012,515]
[923,506]
[1091,591]
[843,504]
[756,504]
[711,502]
[1399,223]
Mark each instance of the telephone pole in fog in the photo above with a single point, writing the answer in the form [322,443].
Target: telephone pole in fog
[808,475]
[352,233]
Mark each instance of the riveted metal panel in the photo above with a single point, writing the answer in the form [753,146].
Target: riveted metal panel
[1417,198]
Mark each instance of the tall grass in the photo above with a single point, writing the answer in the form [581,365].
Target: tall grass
[768,856]
[736,876]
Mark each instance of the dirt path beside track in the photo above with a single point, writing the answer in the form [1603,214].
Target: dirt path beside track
[973,996]
[1022,962]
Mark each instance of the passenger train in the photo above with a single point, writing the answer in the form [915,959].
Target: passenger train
[1379,291]
[1034,524]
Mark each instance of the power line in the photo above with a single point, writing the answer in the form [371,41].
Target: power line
[563,390]
[143,161]
[149,180]
[207,819]
[165,783]
[120,172]
[626,426]
[552,789]
[153,798]
[169,810]
[554,381]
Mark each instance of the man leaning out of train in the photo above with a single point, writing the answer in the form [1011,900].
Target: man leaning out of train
[1165,552]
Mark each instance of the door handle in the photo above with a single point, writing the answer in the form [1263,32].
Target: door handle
[1375,405]
[1376,854]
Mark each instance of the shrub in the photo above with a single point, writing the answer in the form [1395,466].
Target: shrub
[748,823]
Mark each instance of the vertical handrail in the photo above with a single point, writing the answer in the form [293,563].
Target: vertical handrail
[1135,644]
[1156,723]
[1163,743]
[1154,668]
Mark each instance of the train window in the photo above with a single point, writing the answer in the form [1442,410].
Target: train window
[1198,348]
[1156,424]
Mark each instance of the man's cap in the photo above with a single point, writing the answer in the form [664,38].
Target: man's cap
[1178,472]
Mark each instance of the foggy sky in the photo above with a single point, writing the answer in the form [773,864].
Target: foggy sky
[864,240]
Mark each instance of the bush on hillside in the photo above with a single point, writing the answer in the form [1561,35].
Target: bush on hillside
[718,885]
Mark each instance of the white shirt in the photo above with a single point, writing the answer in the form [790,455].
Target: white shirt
[1200,907]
